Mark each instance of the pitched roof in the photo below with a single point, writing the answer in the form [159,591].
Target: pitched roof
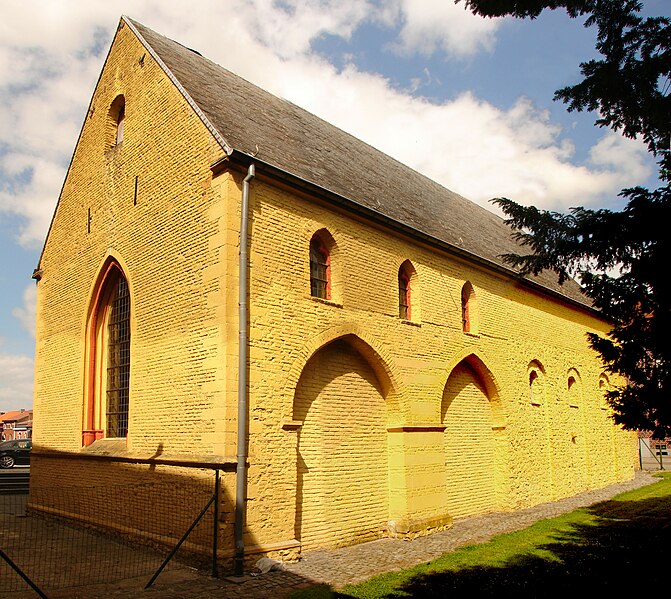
[16,415]
[248,119]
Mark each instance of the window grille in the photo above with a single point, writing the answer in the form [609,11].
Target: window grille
[319,269]
[118,361]
[403,295]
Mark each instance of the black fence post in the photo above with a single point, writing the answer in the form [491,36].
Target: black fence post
[179,543]
[215,525]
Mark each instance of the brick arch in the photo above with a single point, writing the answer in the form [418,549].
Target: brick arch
[378,359]
[475,443]
[536,364]
[341,445]
[487,379]
[111,258]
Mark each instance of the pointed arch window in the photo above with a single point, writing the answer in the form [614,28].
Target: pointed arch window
[536,383]
[604,387]
[108,355]
[573,389]
[403,295]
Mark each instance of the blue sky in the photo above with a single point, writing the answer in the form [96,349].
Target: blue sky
[466,101]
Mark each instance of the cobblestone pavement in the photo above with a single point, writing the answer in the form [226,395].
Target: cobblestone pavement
[340,566]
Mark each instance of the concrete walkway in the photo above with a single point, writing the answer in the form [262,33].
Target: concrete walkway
[340,566]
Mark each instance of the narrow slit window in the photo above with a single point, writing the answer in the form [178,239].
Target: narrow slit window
[120,124]
[116,120]
[468,309]
[403,294]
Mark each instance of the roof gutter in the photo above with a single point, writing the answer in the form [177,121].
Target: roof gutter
[241,159]
[243,395]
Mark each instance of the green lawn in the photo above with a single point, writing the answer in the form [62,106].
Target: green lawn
[620,547]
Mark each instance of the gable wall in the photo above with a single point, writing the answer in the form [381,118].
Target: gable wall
[166,238]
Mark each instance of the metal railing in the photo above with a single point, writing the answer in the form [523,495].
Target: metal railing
[132,521]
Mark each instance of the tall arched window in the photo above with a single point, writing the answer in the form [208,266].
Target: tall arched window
[320,268]
[469,313]
[406,276]
[108,355]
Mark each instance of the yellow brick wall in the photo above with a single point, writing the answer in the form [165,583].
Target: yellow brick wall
[536,451]
[359,422]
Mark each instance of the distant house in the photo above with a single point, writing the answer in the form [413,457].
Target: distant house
[17,424]
[229,280]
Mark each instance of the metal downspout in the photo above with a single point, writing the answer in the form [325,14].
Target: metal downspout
[243,416]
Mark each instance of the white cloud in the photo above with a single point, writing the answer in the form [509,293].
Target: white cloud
[429,26]
[26,313]
[619,154]
[468,145]
[16,382]
[51,53]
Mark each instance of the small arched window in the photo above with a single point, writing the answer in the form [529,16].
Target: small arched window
[573,388]
[320,268]
[108,354]
[469,316]
[604,387]
[116,120]
[406,274]
[536,383]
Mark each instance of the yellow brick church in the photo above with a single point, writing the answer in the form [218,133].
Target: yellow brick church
[230,281]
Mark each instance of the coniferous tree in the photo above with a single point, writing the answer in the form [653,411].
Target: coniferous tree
[629,89]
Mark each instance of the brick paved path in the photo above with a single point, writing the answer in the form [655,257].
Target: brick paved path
[340,566]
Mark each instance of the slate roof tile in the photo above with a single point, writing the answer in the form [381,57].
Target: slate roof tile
[254,121]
